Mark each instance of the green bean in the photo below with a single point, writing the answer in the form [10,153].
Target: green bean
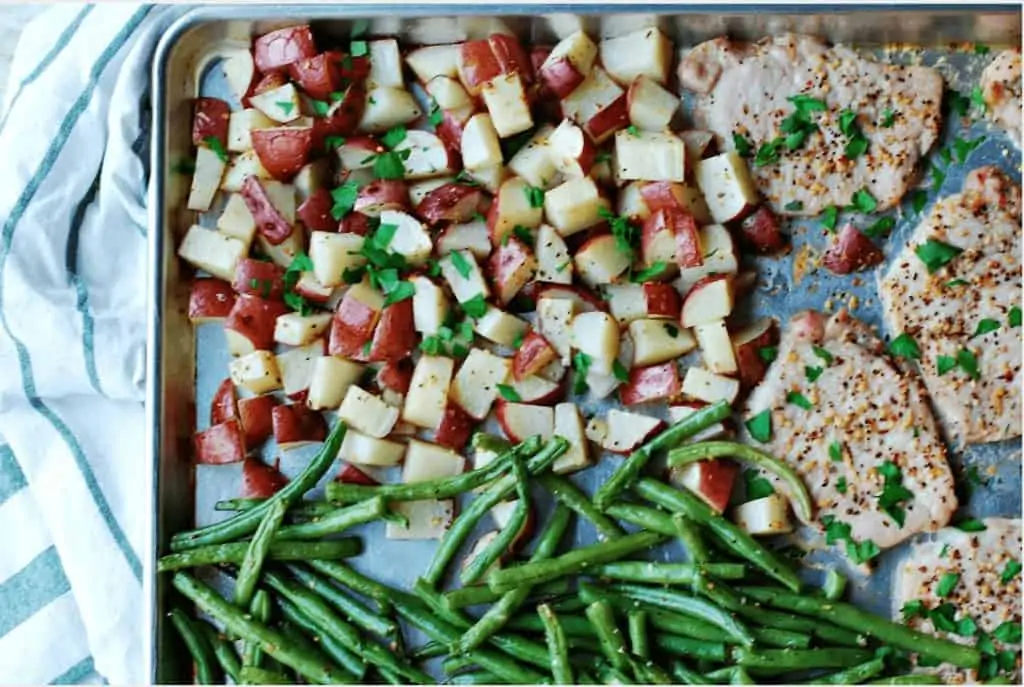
[474,595]
[585,678]
[890,633]
[835,585]
[572,496]
[454,664]
[217,554]
[251,675]
[610,675]
[667,573]
[909,679]
[498,614]
[429,650]
[639,642]
[690,605]
[687,676]
[259,610]
[613,646]
[733,675]
[690,627]
[799,659]
[648,672]
[558,647]
[357,613]
[247,521]
[568,604]
[852,676]
[652,519]
[198,647]
[441,488]
[466,522]
[571,563]
[630,469]
[476,677]
[704,450]
[311,666]
[359,583]
[572,625]
[694,648]
[305,509]
[332,647]
[256,554]
[735,539]
[691,539]
[224,651]
[502,543]
[727,598]
[676,623]
[492,661]
[339,520]
[331,623]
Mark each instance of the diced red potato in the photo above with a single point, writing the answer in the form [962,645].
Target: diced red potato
[533,162]
[236,221]
[319,75]
[456,203]
[600,261]
[354,321]
[309,288]
[583,299]
[720,258]
[241,167]
[571,149]
[206,179]
[500,327]
[296,367]
[569,425]
[259,278]
[598,105]
[700,144]
[381,195]
[265,84]
[332,377]
[250,324]
[224,406]
[455,428]
[350,474]
[520,421]
[220,444]
[511,56]
[650,106]
[278,49]
[449,94]
[280,104]
[315,211]
[256,371]
[367,413]
[538,390]
[728,189]
[295,424]
[394,338]
[574,205]
[761,231]
[255,414]
[354,223]
[488,178]
[708,300]
[428,392]
[334,253]
[343,116]
[466,283]
[428,519]
[395,375]
[477,65]
[645,52]
[210,118]
[452,127]
[512,266]
[387,107]
[505,98]
[270,221]
[259,480]
[475,387]
[295,329]
[532,355]
[709,387]
[716,347]
[480,147]
[362,449]
[239,72]
[764,516]
[747,344]
[431,61]
[210,300]
[851,251]
[283,150]
[597,335]
[649,156]
[513,206]
[629,302]
[671,235]
[657,341]
[711,480]
[427,155]
[554,263]
[652,383]
[620,431]
[385,63]
[568,64]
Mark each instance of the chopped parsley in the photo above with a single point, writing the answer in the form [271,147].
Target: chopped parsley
[742,145]
[1008,632]
[935,254]
[461,264]
[985,326]
[217,147]
[768,153]
[863,551]
[893,492]
[968,362]
[393,136]
[822,353]
[978,98]
[918,199]
[798,399]
[829,217]
[1011,571]
[944,363]
[320,108]
[535,196]
[581,365]
[856,143]
[904,346]
[957,104]
[633,131]
[757,487]
[880,227]
[794,206]
[333,142]
[523,234]
[344,198]
[671,330]
[981,49]
[864,202]
[388,165]
[835,451]
[475,307]
[888,118]
[436,117]
[970,525]
[1014,318]
[625,232]
[768,353]
[509,394]
[620,371]
[813,372]
[956,282]
[603,156]
[184,167]
[358,48]
[836,531]
[938,177]
[399,292]
[841,485]
[760,426]
[964,147]
[913,609]
[648,273]
[286,106]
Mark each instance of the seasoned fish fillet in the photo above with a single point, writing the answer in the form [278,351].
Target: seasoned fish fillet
[862,410]
[743,89]
[980,559]
[1001,89]
[975,291]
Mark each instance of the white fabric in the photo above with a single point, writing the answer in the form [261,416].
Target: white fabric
[72,331]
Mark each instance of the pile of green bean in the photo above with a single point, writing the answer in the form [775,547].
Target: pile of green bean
[734,613]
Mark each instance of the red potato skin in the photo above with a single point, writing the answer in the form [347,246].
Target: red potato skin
[295,423]
[652,383]
[318,76]
[350,474]
[283,151]
[717,479]
[352,68]
[315,211]
[761,231]
[661,195]
[269,221]
[210,299]
[254,318]
[455,428]
[662,300]
[532,355]
[382,194]
[851,251]
[477,65]
[500,409]
[560,76]
[684,231]
[354,223]
[313,292]
[351,327]
[511,56]
[210,119]
[587,300]
[224,406]
[450,203]
[609,120]
[259,480]
[751,366]
[259,278]
[450,132]
[504,262]
[220,444]
[269,82]
[255,414]
[395,336]
[278,49]
[343,117]
[395,375]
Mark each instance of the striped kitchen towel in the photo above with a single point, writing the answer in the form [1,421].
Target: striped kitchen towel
[73,497]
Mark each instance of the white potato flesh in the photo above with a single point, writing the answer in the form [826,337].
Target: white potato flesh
[727,187]
[569,425]
[432,61]
[385,63]
[644,52]
[418,190]
[332,377]
[514,208]
[205,179]
[574,205]
[500,327]
[472,236]
[284,253]
[599,260]
[716,347]
[596,334]
[427,155]
[505,99]
[295,329]
[649,155]
[533,161]
[362,449]
[554,264]
[333,253]
[296,366]
[719,258]
[429,305]
[428,519]
[657,341]
[241,123]
[425,461]
[386,108]
[577,49]
[764,516]
[481,148]
[256,371]
[236,221]
[520,421]
[554,320]
[428,391]
[280,104]
[239,68]
[651,107]
[709,387]
[410,239]
[464,276]
[367,413]
[475,387]
[212,252]
[242,166]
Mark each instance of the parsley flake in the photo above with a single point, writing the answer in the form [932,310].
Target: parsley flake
[757,487]
[393,136]
[985,326]
[964,147]
[632,130]
[829,217]
[333,142]
[767,353]
[893,492]
[535,196]
[344,198]
[904,346]
[822,353]
[1008,632]
[358,48]
[794,206]
[671,330]
[1014,318]
[944,363]
[798,399]
[813,372]
[1011,571]
[742,145]
[625,232]
[619,371]
[970,525]
[649,273]
[935,254]
[918,199]
[509,393]
[968,362]
[913,609]
[768,152]
[888,118]
[760,426]
[217,147]
[881,227]
[461,264]
[475,307]
[835,451]
[581,364]
[841,486]
[864,202]
[400,292]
